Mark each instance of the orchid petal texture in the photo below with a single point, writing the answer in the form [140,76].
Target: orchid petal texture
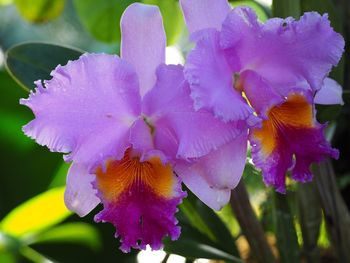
[129,128]
[276,68]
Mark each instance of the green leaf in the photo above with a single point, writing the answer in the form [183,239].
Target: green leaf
[59,178]
[172,17]
[286,8]
[227,216]
[261,13]
[33,255]
[194,218]
[325,113]
[221,233]
[209,223]
[9,244]
[75,233]
[7,257]
[101,18]
[38,11]
[192,244]
[324,6]
[29,62]
[36,214]
[287,242]
[12,116]
[253,179]
[310,218]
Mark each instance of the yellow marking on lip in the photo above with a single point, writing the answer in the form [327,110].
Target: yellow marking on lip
[129,172]
[296,113]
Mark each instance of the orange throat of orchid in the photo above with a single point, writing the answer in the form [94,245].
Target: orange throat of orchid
[295,113]
[131,173]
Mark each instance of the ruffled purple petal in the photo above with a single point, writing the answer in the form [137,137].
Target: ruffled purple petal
[143,42]
[140,200]
[86,109]
[201,14]
[211,80]
[80,197]
[180,131]
[290,139]
[213,176]
[330,93]
[284,52]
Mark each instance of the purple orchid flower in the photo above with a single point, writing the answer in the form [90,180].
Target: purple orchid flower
[129,128]
[279,68]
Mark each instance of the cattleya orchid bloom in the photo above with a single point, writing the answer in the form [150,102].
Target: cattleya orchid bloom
[277,70]
[130,130]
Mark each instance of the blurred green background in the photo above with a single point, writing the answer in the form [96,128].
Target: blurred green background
[34,224]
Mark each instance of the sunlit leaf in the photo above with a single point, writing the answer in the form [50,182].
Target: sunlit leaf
[40,10]
[29,62]
[323,238]
[75,233]
[6,2]
[36,214]
[226,215]
[172,17]
[101,18]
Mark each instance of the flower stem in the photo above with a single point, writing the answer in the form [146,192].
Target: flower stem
[250,225]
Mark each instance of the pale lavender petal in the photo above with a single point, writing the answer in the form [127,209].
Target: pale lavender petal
[284,52]
[201,14]
[143,42]
[180,131]
[215,198]
[80,197]
[330,93]
[213,176]
[211,79]
[86,109]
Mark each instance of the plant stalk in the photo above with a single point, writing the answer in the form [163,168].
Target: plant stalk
[250,225]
